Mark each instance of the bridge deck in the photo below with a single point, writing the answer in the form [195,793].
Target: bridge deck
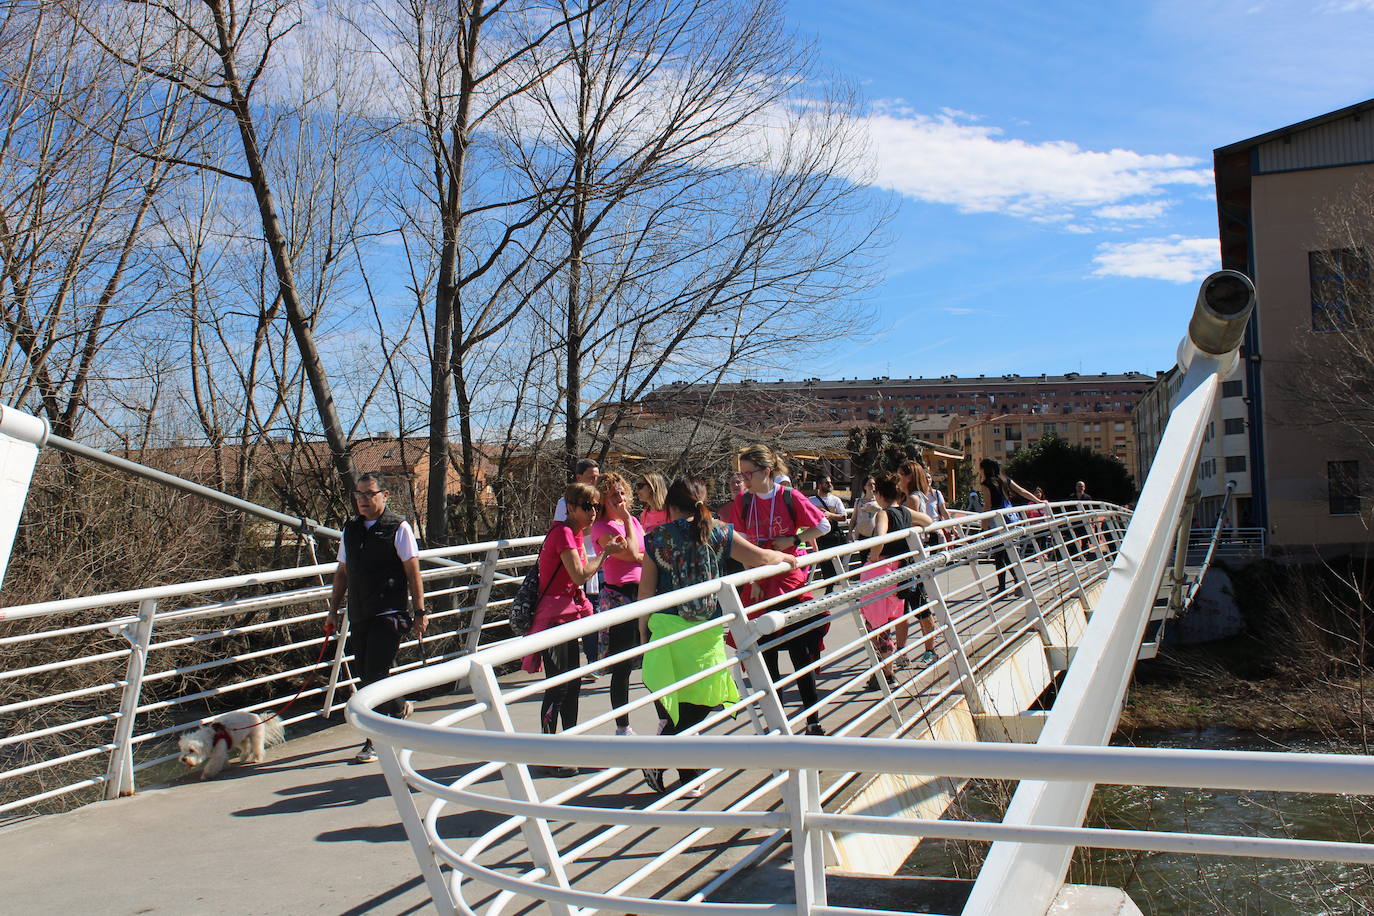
[309,831]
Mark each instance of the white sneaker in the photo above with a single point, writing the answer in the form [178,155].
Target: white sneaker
[625,730]
[365,753]
[694,792]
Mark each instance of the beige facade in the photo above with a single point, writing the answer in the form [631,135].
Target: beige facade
[1272,192]
[999,436]
[1286,209]
[1225,454]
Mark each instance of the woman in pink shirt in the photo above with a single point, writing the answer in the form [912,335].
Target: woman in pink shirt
[619,581]
[652,490]
[563,570]
[775,517]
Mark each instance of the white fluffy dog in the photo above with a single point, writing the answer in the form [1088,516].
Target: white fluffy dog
[211,744]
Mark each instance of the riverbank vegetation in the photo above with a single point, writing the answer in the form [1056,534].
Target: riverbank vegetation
[1302,664]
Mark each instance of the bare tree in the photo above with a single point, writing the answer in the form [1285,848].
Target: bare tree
[1332,384]
[222,52]
[74,208]
[713,213]
[458,65]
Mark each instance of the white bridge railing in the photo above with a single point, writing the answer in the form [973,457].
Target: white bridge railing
[95,690]
[563,843]
[1049,564]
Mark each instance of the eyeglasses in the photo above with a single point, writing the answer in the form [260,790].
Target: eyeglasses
[367,494]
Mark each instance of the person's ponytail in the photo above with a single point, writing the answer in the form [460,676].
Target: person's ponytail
[688,496]
[702,522]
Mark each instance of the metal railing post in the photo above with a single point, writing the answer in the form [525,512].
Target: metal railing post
[1062,557]
[519,786]
[746,638]
[415,831]
[119,775]
[963,669]
[1023,585]
[479,603]
[341,634]
[803,794]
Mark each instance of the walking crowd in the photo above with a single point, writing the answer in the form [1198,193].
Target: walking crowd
[599,555]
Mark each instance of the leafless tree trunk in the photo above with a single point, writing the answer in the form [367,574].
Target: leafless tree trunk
[713,214]
[221,52]
[74,208]
[459,65]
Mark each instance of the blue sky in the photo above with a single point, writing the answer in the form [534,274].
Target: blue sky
[1053,164]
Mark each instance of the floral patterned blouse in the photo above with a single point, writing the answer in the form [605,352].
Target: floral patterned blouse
[681,561]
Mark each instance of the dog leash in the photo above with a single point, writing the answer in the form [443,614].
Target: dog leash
[314,676]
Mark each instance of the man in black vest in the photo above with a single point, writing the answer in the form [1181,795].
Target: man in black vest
[378,563]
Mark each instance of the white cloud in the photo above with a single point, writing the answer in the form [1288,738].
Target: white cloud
[1151,210]
[1176,259]
[944,159]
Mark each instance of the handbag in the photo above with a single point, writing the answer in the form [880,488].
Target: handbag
[525,603]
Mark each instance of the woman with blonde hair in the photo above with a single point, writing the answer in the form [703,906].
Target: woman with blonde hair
[652,490]
[915,484]
[620,582]
[773,516]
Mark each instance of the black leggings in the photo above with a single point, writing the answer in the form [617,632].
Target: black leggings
[560,702]
[624,636]
[1002,560]
[373,642]
[688,715]
[803,649]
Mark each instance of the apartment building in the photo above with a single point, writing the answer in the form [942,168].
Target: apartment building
[1110,433]
[1309,485]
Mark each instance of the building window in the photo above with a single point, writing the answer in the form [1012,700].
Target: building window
[1343,487]
[1235,464]
[1339,280]
[1232,389]
[1047,429]
[1234,426]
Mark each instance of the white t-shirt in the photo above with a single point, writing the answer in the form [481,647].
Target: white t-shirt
[831,503]
[407,548]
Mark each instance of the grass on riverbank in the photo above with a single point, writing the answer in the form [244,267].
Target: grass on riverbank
[1242,683]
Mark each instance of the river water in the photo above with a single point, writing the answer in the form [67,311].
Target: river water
[1166,884]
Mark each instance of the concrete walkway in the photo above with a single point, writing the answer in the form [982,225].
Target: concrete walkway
[308,831]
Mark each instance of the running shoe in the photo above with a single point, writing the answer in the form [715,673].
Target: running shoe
[366,753]
[814,728]
[927,658]
[625,731]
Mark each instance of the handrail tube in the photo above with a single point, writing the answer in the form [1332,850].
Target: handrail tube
[1089,703]
[223,583]
[1259,771]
